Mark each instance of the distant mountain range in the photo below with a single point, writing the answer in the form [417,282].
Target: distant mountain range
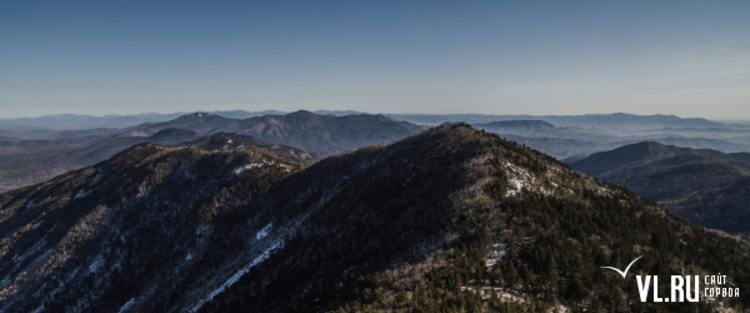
[590,120]
[451,219]
[529,128]
[705,187]
[24,162]
[566,136]
[585,135]
[49,126]
[53,123]
[320,134]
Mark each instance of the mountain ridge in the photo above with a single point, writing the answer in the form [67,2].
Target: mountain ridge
[702,186]
[30,161]
[422,224]
[319,134]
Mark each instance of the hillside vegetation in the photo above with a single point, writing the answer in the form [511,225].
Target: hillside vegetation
[448,220]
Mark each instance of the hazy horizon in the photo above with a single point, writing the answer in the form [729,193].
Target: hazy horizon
[363,112]
[690,59]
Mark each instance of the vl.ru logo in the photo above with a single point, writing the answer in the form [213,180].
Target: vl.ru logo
[681,287]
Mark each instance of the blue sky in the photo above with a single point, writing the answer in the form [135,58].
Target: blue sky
[494,57]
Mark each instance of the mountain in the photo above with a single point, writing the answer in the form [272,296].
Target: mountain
[173,136]
[527,128]
[24,162]
[319,134]
[645,152]
[587,120]
[45,134]
[704,143]
[574,135]
[549,139]
[52,126]
[224,141]
[559,148]
[705,187]
[448,220]
[631,120]
[581,135]
[77,122]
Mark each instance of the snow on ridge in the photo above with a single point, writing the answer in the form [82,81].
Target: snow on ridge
[82,193]
[127,305]
[263,256]
[263,232]
[522,179]
[253,165]
[237,276]
[96,264]
[496,253]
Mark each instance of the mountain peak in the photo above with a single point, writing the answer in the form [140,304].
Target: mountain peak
[303,113]
[428,221]
[196,115]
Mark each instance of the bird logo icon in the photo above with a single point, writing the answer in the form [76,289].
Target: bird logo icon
[622,273]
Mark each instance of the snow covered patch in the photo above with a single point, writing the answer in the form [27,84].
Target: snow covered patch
[127,305]
[31,203]
[496,253]
[39,309]
[237,276]
[263,232]
[519,180]
[515,187]
[143,190]
[98,262]
[73,274]
[82,193]
[189,257]
[246,167]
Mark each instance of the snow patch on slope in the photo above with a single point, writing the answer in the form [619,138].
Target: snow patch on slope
[237,276]
[82,193]
[127,305]
[253,165]
[496,253]
[96,264]
[520,179]
[263,232]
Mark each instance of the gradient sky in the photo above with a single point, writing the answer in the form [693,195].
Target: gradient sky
[495,57]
